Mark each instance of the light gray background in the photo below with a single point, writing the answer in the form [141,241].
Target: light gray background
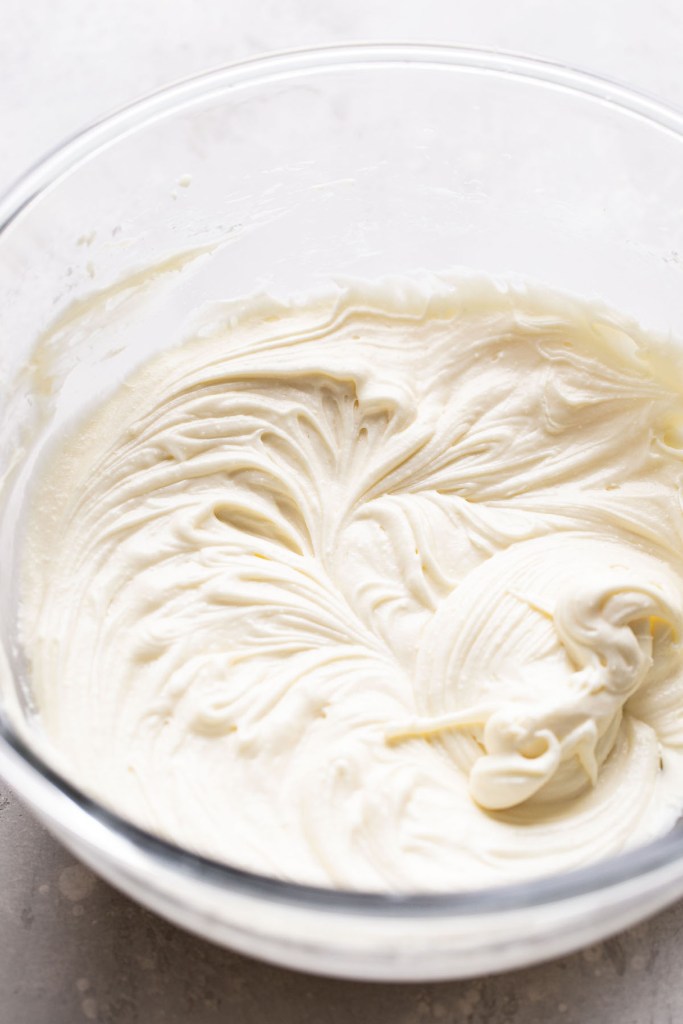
[72,949]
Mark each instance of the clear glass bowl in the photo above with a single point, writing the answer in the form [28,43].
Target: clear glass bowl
[281,173]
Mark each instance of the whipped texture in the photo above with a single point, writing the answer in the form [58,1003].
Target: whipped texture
[379,589]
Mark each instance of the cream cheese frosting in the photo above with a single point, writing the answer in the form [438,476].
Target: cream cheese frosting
[379,589]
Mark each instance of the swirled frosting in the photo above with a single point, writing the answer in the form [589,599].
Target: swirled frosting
[381,589]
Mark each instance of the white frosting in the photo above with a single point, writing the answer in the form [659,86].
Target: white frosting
[379,590]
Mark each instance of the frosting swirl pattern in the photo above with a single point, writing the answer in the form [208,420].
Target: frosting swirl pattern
[381,589]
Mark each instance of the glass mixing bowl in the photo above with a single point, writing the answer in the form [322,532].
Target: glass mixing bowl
[279,174]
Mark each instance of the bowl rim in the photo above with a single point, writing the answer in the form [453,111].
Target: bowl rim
[86,142]
[20,763]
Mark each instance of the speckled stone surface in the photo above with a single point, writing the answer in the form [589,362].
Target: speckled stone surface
[74,950]
[71,948]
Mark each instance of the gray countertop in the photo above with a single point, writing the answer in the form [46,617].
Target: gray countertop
[75,950]
[71,948]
